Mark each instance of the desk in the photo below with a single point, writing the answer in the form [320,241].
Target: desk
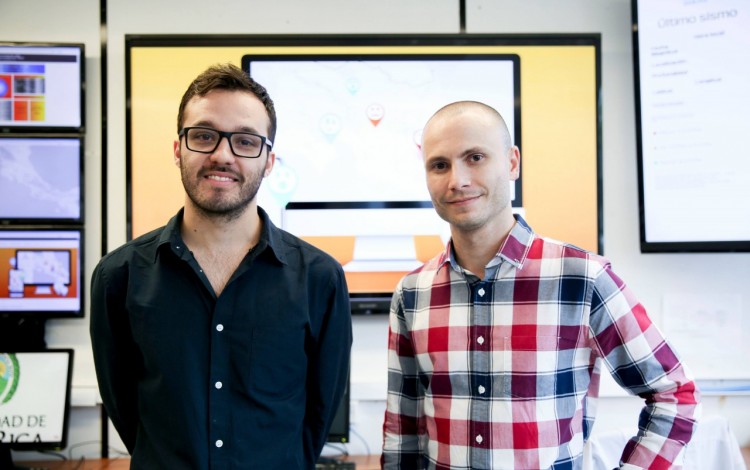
[363,462]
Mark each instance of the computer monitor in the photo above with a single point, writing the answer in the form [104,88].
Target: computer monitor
[40,272]
[34,401]
[349,174]
[41,179]
[339,431]
[691,68]
[42,87]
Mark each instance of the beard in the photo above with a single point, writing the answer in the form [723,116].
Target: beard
[218,204]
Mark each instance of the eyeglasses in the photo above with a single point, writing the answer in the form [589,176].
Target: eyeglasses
[206,140]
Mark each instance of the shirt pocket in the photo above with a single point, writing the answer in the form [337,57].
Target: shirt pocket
[278,363]
[538,367]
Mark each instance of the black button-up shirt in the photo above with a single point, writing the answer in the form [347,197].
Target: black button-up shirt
[247,380]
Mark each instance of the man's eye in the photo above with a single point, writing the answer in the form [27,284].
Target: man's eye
[205,136]
[439,166]
[247,141]
[476,157]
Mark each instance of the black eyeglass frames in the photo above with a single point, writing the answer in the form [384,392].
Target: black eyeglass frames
[206,140]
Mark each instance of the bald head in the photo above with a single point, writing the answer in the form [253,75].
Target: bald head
[481,112]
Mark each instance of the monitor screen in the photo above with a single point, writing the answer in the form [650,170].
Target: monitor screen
[40,272]
[35,398]
[692,67]
[41,179]
[42,86]
[349,175]
[339,431]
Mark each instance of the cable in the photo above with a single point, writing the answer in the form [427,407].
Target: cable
[80,444]
[354,431]
[81,461]
[342,449]
[54,454]
[120,453]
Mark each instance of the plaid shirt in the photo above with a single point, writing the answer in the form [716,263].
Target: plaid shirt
[503,372]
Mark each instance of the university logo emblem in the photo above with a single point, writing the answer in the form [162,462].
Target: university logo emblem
[9,372]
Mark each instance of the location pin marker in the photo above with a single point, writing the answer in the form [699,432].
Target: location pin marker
[352,85]
[330,126]
[375,113]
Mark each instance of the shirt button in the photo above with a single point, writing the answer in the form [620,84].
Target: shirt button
[481,390]
[479,439]
[218,385]
[481,292]
[220,443]
[480,340]
[219,327]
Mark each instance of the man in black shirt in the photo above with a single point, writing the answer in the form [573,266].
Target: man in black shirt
[221,341]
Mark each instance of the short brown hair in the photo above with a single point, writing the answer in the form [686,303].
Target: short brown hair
[228,77]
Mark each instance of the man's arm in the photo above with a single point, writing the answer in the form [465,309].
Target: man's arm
[644,364]
[400,428]
[115,354]
[328,367]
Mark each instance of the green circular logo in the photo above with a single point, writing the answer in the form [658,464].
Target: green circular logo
[9,372]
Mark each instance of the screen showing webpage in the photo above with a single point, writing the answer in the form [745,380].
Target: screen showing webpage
[40,86]
[694,64]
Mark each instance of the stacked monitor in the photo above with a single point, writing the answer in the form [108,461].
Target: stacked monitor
[34,401]
[41,237]
[41,181]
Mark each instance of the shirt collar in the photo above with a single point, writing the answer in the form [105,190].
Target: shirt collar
[514,250]
[270,237]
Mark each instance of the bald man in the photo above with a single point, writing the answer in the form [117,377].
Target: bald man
[496,344]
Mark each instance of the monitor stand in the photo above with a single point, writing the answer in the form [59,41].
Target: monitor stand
[6,460]
[373,253]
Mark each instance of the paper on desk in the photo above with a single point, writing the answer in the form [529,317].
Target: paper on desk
[707,332]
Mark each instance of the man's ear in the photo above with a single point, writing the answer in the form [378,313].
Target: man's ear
[177,156]
[270,161]
[515,162]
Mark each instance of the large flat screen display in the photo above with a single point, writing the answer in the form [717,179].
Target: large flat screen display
[40,272]
[42,86]
[348,176]
[35,399]
[692,69]
[41,179]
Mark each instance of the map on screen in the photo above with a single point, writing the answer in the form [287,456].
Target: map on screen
[40,178]
[353,127]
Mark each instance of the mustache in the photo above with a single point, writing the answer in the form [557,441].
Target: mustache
[220,169]
[458,196]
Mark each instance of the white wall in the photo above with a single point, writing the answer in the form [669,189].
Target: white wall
[651,276]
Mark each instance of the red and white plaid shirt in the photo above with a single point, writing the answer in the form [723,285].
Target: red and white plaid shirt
[503,372]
